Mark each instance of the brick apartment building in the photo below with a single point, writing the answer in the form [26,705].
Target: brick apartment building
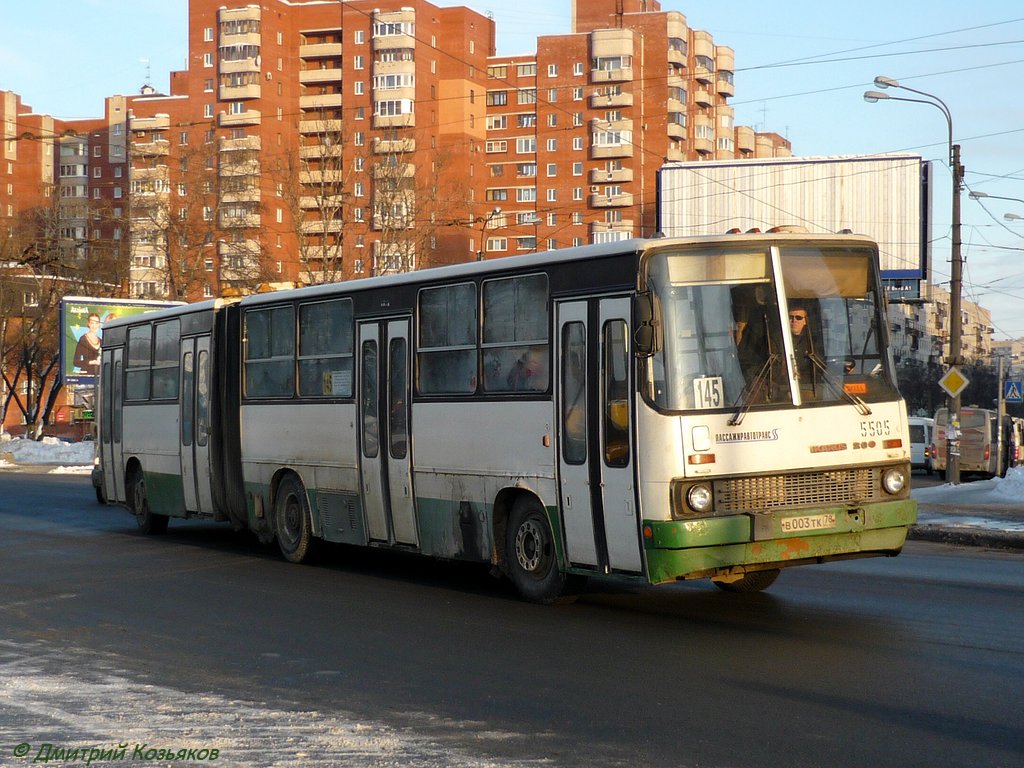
[312,141]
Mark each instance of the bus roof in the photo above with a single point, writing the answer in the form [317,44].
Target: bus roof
[548,258]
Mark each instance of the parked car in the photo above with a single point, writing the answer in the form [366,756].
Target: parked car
[921,449]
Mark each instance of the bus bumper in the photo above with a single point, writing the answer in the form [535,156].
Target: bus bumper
[700,548]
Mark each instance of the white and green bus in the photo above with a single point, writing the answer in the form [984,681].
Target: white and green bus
[644,409]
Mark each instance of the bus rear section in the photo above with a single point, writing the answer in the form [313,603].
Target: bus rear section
[979,442]
[163,445]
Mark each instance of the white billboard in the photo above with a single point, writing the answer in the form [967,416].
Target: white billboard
[885,197]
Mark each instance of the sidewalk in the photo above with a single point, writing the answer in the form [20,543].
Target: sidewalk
[985,513]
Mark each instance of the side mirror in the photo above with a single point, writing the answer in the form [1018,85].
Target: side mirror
[645,339]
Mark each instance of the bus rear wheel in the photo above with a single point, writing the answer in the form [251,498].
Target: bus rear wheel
[148,522]
[292,523]
[530,555]
[755,581]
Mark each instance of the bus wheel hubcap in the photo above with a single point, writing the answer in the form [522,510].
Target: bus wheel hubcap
[529,549]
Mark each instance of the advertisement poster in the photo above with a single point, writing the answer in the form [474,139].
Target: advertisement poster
[82,320]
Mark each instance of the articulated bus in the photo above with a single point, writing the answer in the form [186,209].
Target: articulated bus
[645,409]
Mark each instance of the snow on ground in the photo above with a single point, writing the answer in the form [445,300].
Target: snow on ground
[998,490]
[70,458]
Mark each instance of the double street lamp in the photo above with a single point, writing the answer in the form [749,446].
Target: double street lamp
[956,271]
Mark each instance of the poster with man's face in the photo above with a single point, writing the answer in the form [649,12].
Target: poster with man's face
[82,333]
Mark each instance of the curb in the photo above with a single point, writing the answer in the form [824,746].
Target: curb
[968,537]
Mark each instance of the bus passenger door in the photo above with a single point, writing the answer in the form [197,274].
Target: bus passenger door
[384,442]
[618,489]
[195,424]
[573,450]
[598,493]
[111,453]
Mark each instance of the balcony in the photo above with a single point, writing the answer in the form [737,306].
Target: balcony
[320,101]
[321,152]
[154,123]
[610,151]
[407,120]
[387,42]
[320,50]
[249,168]
[239,65]
[703,98]
[600,100]
[251,195]
[603,176]
[247,221]
[322,177]
[320,126]
[381,68]
[321,226]
[620,75]
[315,76]
[322,202]
[622,200]
[236,92]
[724,84]
[745,142]
[676,131]
[599,227]
[240,38]
[158,148]
[247,142]
[249,117]
[244,248]
[393,146]
[397,171]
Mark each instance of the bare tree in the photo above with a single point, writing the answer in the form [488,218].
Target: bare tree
[319,191]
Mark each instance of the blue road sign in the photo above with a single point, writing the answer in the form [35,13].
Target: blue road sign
[1012,392]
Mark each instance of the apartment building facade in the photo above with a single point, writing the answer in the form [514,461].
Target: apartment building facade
[577,131]
[309,142]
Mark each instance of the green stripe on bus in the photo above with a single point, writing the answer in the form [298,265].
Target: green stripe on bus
[165,494]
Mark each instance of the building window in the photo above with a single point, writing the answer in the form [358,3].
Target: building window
[526,145]
[552,70]
[497,98]
[207,34]
[359,37]
[552,169]
[207,59]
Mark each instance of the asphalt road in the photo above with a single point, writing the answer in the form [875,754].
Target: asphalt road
[204,639]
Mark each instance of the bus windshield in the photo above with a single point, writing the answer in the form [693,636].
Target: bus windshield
[749,325]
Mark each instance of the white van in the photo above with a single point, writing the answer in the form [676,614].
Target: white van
[921,430]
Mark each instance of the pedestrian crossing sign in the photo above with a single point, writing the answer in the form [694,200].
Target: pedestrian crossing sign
[1012,392]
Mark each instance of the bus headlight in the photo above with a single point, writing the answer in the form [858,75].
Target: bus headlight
[893,480]
[699,498]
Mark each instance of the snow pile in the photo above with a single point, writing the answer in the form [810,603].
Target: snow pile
[50,450]
[998,490]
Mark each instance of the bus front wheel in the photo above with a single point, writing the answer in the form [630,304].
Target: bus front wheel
[530,553]
[148,522]
[755,581]
[292,522]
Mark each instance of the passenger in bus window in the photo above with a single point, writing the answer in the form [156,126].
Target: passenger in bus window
[803,346]
[530,372]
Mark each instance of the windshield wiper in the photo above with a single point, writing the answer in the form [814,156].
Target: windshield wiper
[744,400]
[862,408]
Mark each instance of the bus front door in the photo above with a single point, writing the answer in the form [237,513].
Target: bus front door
[385,447]
[598,493]
[195,424]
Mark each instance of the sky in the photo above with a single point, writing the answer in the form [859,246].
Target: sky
[802,67]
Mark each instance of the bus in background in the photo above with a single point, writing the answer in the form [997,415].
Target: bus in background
[658,410]
[979,442]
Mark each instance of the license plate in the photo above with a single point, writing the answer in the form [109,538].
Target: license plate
[808,523]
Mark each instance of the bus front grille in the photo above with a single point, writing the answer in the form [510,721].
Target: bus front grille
[809,489]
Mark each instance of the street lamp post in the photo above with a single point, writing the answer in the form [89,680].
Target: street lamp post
[956,266]
[980,195]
